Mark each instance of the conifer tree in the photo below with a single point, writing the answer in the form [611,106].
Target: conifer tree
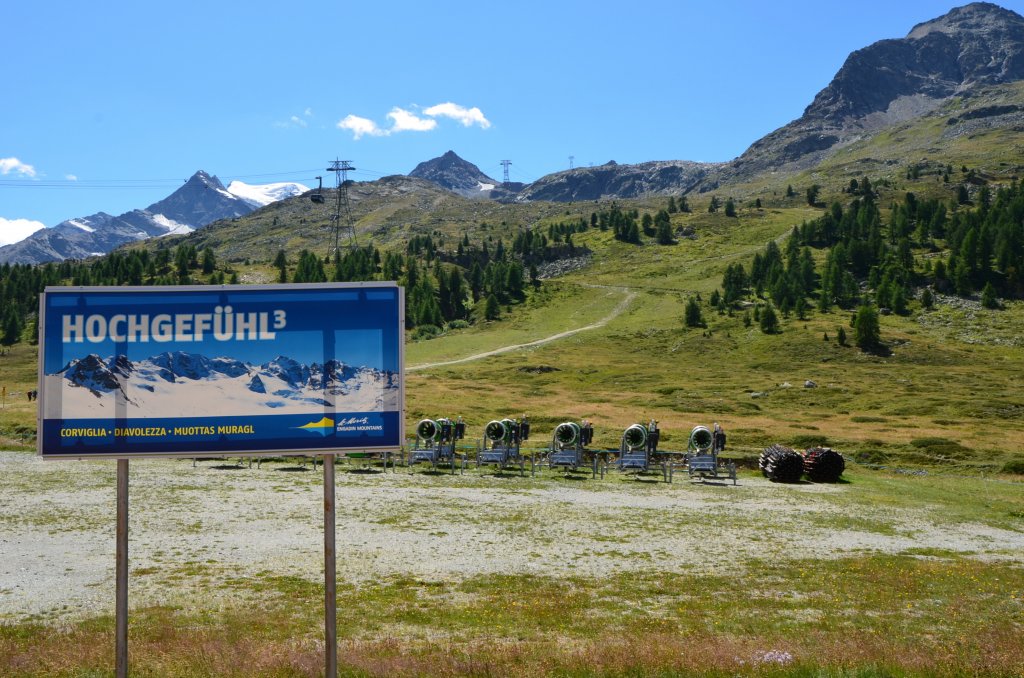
[11,327]
[492,311]
[866,330]
[209,260]
[812,195]
[769,320]
[281,262]
[692,315]
[801,308]
[647,224]
[927,299]
[988,296]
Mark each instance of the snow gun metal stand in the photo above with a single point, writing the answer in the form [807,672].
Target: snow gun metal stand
[638,451]
[702,460]
[568,449]
[435,444]
[501,446]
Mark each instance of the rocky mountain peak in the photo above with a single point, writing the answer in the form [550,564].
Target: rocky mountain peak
[202,179]
[451,172]
[202,200]
[980,43]
[893,81]
[981,17]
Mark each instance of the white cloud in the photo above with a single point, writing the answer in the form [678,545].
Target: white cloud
[71,177]
[407,121]
[296,120]
[404,121]
[361,127]
[466,116]
[8,165]
[15,230]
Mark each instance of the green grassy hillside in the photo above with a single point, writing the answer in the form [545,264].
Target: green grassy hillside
[945,396]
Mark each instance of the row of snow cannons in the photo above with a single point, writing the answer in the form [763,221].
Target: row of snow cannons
[782,464]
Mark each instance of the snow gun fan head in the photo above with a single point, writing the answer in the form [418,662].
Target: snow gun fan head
[427,429]
[701,439]
[635,436]
[499,431]
[567,433]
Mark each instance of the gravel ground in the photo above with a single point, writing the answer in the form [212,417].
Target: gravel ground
[57,524]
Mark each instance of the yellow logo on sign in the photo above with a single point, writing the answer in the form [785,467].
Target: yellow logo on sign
[322,427]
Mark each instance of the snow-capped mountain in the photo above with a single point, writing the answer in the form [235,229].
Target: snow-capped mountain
[263,194]
[180,384]
[202,200]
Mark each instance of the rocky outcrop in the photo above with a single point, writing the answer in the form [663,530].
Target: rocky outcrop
[893,81]
[612,180]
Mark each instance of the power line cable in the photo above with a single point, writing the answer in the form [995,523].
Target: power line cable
[130,183]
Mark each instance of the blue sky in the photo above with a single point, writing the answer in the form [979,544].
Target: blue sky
[111,106]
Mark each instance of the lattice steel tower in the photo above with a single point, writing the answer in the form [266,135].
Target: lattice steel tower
[505,164]
[342,213]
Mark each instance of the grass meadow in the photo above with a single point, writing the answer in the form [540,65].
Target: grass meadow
[793,588]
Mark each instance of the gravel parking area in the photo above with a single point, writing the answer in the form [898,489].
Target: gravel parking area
[57,523]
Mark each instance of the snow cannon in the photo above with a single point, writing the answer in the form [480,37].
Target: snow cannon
[567,433]
[701,439]
[499,431]
[428,429]
[635,437]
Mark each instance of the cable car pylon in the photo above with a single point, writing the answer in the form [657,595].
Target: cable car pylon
[341,168]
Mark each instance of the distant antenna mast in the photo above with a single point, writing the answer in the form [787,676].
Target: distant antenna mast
[505,163]
[571,159]
[341,168]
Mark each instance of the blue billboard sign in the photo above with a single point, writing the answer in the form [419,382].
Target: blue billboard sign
[225,370]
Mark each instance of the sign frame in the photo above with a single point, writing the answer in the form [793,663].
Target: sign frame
[47,449]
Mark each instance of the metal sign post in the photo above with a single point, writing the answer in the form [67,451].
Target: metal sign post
[330,574]
[121,594]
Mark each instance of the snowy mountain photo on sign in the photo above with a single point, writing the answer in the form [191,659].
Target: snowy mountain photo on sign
[180,384]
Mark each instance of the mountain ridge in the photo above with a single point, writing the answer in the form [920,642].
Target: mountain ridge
[883,84]
[202,200]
